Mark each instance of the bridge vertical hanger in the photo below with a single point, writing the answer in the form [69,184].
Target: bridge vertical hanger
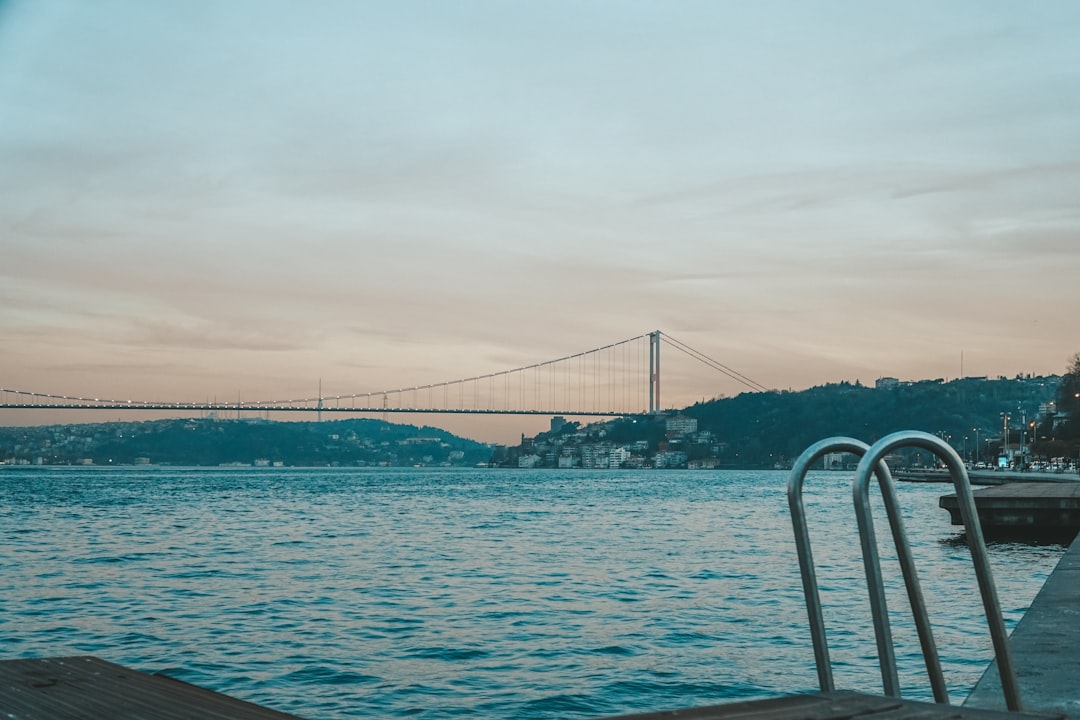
[622,374]
[654,372]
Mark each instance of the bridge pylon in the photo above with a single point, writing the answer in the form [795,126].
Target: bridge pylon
[654,372]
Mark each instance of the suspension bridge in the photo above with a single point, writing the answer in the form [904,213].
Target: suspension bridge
[614,380]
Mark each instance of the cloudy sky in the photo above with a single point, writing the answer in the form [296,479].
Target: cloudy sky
[240,198]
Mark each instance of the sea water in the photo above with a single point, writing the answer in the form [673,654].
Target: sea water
[338,593]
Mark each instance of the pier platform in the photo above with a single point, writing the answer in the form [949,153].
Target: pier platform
[1039,510]
[985,477]
[1045,647]
[838,705]
[89,688]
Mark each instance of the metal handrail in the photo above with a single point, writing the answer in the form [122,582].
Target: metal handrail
[871,462]
[878,607]
[805,554]
[871,563]
[875,583]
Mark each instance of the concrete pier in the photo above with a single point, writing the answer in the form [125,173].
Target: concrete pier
[985,477]
[1045,648]
[1036,510]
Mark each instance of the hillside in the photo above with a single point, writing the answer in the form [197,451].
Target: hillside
[770,429]
[966,412]
[214,442]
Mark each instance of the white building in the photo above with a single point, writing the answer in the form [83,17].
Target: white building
[528,461]
[679,425]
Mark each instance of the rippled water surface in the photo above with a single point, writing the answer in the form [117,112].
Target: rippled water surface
[499,593]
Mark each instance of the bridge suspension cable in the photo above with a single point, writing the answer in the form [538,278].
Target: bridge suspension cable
[603,381]
[702,357]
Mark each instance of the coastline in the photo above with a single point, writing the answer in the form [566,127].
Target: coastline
[985,477]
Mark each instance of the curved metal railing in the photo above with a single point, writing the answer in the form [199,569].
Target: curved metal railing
[872,463]
[802,546]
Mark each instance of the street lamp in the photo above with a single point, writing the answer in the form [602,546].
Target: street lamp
[1005,425]
[1023,433]
[976,431]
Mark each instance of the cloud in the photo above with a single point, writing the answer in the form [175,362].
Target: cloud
[260,194]
[207,336]
[1041,175]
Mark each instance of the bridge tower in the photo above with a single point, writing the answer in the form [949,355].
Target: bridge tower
[654,372]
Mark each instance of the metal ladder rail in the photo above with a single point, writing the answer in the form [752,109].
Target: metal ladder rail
[879,610]
[802,547]
[871,561]
[870,463]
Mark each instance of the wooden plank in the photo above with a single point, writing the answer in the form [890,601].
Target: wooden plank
[89,688]
[1045,647]
[840,705]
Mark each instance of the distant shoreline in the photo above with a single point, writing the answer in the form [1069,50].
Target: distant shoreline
[986,477]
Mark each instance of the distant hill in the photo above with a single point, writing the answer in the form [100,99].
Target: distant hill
[771,429]
[783,424]
[760,429]
[355,442]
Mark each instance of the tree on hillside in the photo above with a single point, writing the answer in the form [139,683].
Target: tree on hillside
[965,413]
[1068,401]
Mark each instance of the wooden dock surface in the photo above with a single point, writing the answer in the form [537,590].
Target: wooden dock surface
[839,705]
[1045,647]
[89,688]
[1035,509]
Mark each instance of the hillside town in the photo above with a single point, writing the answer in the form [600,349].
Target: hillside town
[671,441]
[1003,423]
[250,442]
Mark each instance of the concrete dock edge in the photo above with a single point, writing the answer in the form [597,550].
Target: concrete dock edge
[1045,648]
